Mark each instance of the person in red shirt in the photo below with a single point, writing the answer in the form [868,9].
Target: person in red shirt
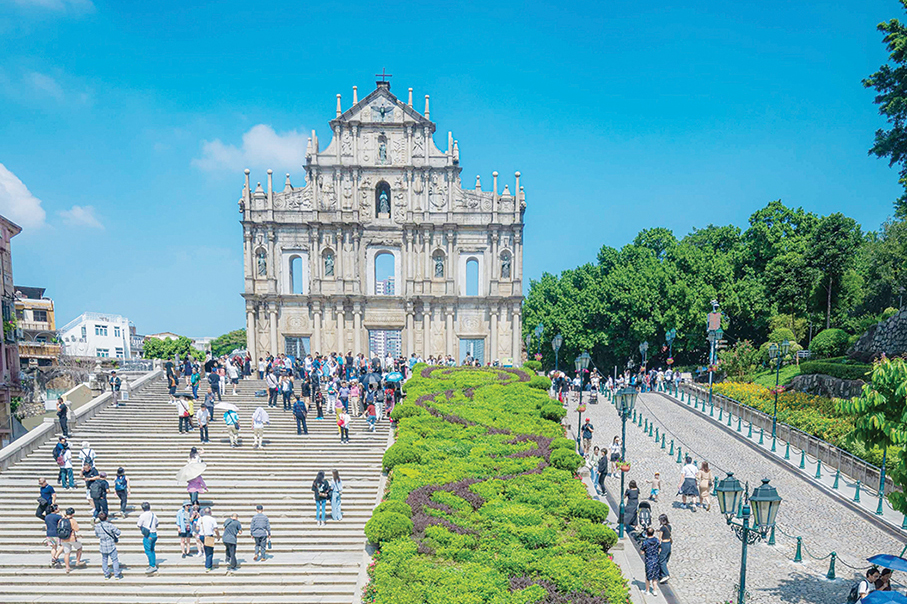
[372,416]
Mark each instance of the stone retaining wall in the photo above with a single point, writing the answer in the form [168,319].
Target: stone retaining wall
[826,385]
[888,337]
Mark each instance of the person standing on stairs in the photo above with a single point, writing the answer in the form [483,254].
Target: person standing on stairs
[272,383]
[233,374]
[322,491]
[148,523]
[47,497]
[300,411]
[203,416]
[260,529]
[232,529]
[194,381]
[209,532]
[115,383]
[336,490]
[68,533]
[184,528]
[286,390]
[259,419]
[98,490]
[108,536]
[63,416]
[182,410]
[214,381]
[231,419]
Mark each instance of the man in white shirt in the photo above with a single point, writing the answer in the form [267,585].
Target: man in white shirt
[147,523]
[688,486]
[210,532]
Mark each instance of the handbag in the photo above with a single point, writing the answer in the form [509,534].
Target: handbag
[209,541]
[114,537]
[269,543]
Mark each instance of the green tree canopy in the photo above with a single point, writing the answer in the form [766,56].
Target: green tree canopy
[167,349]
[228,342]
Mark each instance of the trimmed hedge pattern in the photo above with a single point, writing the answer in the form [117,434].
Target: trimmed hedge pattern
[494,516]
[856,371]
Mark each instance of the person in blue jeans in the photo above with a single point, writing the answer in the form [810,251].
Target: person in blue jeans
[322,491]
[664,534]
[147,523]
[300,411]
[336,490]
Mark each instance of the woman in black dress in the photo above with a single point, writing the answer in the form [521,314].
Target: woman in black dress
[632,497]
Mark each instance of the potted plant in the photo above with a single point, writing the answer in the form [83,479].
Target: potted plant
[624,466]
[581,409]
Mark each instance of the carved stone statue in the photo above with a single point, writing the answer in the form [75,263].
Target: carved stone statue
[384,204]
[329,265]
[439,266]
[505,267]
[262,263]
[382,152]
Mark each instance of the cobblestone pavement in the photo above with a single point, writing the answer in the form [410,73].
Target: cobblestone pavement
[705,561]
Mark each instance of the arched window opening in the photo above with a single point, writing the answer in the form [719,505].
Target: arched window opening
[506,265]
[384,274]
[438,260]
[472,277]
[382,200]
[329,264]
[295,275]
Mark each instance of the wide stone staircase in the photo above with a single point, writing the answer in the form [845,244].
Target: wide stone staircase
[309,563]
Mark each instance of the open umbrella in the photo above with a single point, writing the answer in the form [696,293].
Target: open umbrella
[371,378]
[396,376]
[191,470]
[889,561]
[226,407]
[884,597]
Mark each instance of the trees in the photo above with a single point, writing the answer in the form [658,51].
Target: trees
[831,252]
[890,82]
[167,349]
[228,342]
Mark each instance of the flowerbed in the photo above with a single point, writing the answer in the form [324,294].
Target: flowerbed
[497,513]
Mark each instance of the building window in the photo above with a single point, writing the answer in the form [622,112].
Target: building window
[102,353]
[42,339]
[84,332]
[119,353]
[39,315]
[384,274]
[100,330]
[295,275]
[20,314]
[296,347]
[472,277]
[116,332]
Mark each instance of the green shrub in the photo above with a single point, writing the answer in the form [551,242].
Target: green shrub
[405,410]
[387,526]
[563,443]
[399,453]
[533,365]
[540,382]
[566,460]
[829,343]
[887,313]
[838,370]
[782,333]
[599,534]
[397,507]
[596,511]
[554,412]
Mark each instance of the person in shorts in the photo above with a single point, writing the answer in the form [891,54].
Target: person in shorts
[52,519]
[656,486]
[71,542]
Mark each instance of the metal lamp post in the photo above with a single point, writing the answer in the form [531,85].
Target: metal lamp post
[643,348]
[539,331]
[528,344]
[556,346]
[777,354]
[582,363]
[715,334]
[765,503]
[670,336]
[626,400]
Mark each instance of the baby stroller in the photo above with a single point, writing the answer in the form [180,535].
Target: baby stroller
[643,519]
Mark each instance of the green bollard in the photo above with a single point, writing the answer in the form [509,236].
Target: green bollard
[688,400]
[904,524]
[802,459]
[678,456]
[856,495]
[739,419]
[729,418]
[646,426]
[711,410]
[787,452]
[831,567]
[650,431]
[773,444]
[838,478]
[720,414]
[761,436]
[750,435]
[771,537]
[798,557]
[671,452]
[818,468]
[634,416]
[656,434]
[663,441]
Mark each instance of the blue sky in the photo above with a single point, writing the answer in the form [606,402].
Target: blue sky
[126,124]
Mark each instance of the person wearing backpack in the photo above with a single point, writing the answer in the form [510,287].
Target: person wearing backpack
[231,419]
[861,589]
[68,533]
[98,491]
[322,491]
[122,489]
[300,411]
[63,457]
[63,416]
[52,520]
[108,537]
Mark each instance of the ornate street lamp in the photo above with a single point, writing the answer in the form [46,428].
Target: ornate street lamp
[626,400]
[582,363]
[765,503]
[643,348]
[670,336]
[556,346]
[539,331]
[528,343]
[777,354]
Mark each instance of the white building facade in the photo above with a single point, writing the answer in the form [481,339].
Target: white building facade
[383,190]
[100,335]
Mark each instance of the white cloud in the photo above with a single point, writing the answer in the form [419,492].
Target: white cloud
[262,147]
[29,87]
[17,203]
[78,6]
[45,84]
[81,216]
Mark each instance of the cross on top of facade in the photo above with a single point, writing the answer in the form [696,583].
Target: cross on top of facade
[383,75]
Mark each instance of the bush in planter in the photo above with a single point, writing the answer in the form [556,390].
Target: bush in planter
[533,365]
[829,343]
[596,511]
[397,507]
[540,382]
[554,412]
[600,534]
[387,526]
[399,453]
[566,460]
[563,443]
[405,410]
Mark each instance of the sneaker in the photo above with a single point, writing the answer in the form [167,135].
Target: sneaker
[255,559]
[663,580]
[119,577]
[107,577]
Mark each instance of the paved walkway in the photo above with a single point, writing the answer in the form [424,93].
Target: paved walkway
[705,561]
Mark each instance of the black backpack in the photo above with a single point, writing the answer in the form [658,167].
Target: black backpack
[64,528]
[96,489]
[854,595]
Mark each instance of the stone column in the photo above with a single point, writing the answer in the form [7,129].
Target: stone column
[450,333]
[517,265]
[341,326]
[455,265]
[357,328]
[316,327]
[272,265]
[517,336]
[493,340]
[410,328]
[340,254]
[251,333]
[249,259]
[275,345]
[426,330]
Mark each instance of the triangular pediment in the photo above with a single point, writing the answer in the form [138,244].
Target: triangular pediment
[381,106]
